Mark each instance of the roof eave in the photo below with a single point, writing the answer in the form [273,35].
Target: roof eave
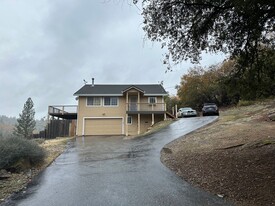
[155,94]
[98,95]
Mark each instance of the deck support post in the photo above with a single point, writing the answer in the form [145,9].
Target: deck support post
[176,111]
[126,125]
[138,123]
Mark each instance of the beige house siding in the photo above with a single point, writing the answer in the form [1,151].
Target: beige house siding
[87,114]
[145,123]
[133,91]
[85,111]
[133,128]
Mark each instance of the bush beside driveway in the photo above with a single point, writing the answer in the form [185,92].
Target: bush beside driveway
[13,182]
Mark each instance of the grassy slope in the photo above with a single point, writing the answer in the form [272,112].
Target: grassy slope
[233,157]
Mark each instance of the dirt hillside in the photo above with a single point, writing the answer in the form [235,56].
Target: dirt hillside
[233,158]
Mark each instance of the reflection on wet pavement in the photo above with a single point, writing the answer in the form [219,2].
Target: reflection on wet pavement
[115,171]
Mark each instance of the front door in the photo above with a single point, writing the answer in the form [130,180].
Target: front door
[133,103]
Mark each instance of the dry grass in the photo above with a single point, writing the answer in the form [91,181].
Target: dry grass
[54,148]
[233,157]
[156,127]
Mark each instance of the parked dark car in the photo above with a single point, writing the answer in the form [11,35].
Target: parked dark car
[210,109]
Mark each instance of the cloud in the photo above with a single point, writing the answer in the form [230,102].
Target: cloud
[48,47]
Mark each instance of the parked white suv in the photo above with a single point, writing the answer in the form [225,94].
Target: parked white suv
[187,112]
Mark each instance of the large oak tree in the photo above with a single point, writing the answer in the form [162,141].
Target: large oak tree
[188,27]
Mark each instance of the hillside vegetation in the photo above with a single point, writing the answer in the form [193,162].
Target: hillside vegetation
[233,157]
[227,83]
[7,125]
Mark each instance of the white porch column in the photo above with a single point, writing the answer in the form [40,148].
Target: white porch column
[173,110]
[165,111]
[153,119]
[127,101]
[126,125]
[138,101]
[138,107]
[138,123]
[126,116]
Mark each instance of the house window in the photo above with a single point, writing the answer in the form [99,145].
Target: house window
[129,120]
[94,101]
[152,100]
[110,101]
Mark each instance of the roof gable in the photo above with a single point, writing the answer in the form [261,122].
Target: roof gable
[133,87]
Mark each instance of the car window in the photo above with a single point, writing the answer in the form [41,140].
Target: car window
[209,104]
[186,108]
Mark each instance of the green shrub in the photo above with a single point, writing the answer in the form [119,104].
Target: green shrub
[245,103]
[16,149]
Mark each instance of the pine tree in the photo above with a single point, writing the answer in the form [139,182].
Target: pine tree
[26,122]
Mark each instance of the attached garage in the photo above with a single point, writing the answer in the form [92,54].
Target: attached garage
[103,126]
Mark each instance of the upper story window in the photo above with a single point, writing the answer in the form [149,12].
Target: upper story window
[94,101]
[110,101]
[152,100]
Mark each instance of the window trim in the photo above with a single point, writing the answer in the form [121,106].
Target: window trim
[90,105]
[110,102]
[131,118]
[152,102]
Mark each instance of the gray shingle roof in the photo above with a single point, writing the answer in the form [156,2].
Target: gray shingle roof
[118,89]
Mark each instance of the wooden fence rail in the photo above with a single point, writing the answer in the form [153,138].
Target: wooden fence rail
[57,128]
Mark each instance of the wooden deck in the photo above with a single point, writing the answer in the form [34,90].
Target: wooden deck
[63,111]
[70,112]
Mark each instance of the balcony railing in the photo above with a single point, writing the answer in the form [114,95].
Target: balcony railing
[146,107]
[63,111]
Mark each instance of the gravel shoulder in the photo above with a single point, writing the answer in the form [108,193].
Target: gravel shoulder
[232,158]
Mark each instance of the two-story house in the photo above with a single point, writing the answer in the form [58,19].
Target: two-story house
[112,109]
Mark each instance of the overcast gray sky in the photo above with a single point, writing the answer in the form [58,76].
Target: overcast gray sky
[48,47]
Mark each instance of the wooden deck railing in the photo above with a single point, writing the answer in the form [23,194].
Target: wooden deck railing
[143,107]
[62,109]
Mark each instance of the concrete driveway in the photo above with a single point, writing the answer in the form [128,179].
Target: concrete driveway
[113,171]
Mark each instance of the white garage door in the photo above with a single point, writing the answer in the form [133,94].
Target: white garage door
[103,126]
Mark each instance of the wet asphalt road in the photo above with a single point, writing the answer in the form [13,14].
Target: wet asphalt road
[112,171]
